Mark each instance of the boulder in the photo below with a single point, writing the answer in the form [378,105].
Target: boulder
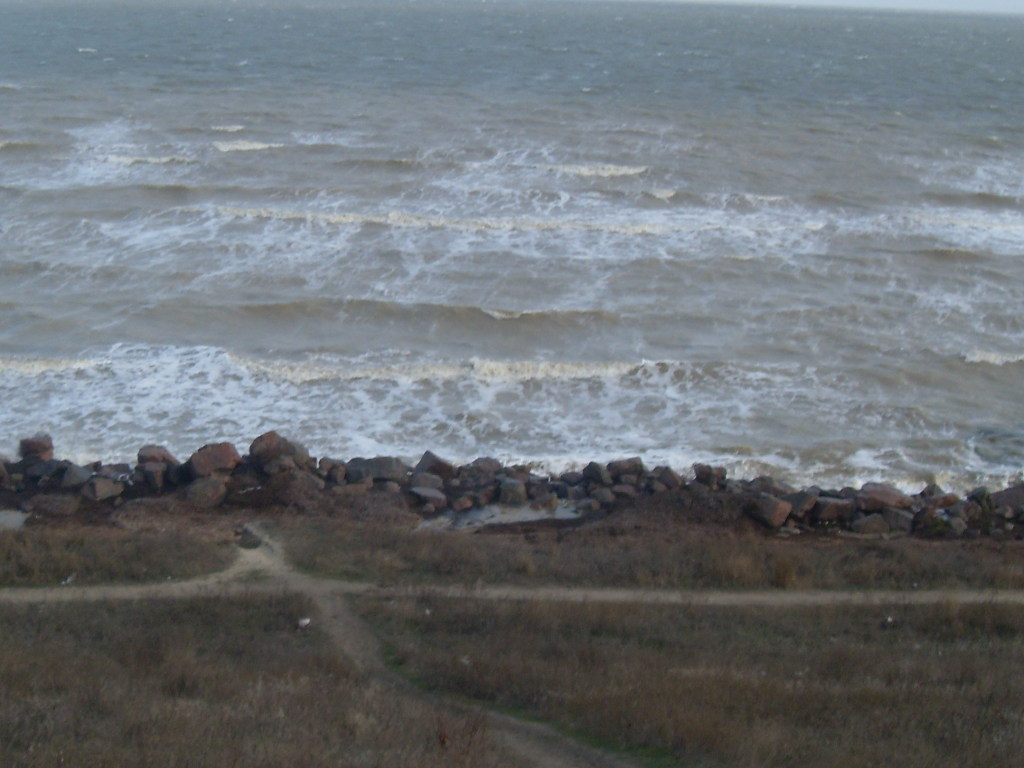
[75,477]
[625,491]
[102,488]
[1012,497]
[213,459]
[299,490]
[512,492]
[486,465]
[39,447]
[596,474]
[155,454]
[667,477]
[873,497]
[426,480]
[206,492]
[431,496]
[712,477]
[898,519]
[632,466]
[42,471]
[433,464]
[767,510]
[802,502]
[377,468]
[832,509]
[152,475]
[268,450]
[52,505]
[874,523]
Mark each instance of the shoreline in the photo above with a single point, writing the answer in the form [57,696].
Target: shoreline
[279,474]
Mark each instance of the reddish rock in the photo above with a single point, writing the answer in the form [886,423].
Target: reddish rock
[802,501]
[156,454]
[433,464]
[832,509]
[625,491]
[667,477]
[462,504]
[426,480]
[270,448]
[213,458]
[768,510]
[874,497]
[152,475]
[39,447]
[712,477]
[302,491]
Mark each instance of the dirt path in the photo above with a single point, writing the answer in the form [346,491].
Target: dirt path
[264,569]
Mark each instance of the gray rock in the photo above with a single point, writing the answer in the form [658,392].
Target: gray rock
[632,466]
[206,492]
[899,519]
[1012,497]
[428,495]
[596,474]
[426,480]
[75,477]
[712,477]
[512,492]
[102,488]
[377,468]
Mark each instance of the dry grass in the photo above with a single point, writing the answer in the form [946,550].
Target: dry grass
[205,682]
[640,550]
[729,687]
[46,556]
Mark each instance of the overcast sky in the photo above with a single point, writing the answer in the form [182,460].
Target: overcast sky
[964,6]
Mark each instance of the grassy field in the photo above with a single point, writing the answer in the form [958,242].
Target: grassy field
[632,549]
[206,682]
[42,555]
[939,686]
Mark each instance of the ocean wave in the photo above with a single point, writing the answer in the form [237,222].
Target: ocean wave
[988,357]
[227,128]
[601,171]
[244,146]
[144,160]
[419,221]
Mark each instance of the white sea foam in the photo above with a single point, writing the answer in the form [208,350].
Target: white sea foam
[600,171]
[87,50]
[410,220]
[130,160]
[244,146]
[994,358]
[227,128]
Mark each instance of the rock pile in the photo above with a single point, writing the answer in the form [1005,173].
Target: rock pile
[277,472]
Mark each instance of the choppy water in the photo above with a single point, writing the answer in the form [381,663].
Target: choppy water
[789,241]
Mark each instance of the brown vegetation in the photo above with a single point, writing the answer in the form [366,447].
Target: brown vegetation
[939,685]
[43,555]
[206,682]
[646,547]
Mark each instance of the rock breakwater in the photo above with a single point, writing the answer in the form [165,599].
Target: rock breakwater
[278,474]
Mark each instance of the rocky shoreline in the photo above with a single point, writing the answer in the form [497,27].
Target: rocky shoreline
[279,474]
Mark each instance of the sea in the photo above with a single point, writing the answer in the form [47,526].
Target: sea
[784,241]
